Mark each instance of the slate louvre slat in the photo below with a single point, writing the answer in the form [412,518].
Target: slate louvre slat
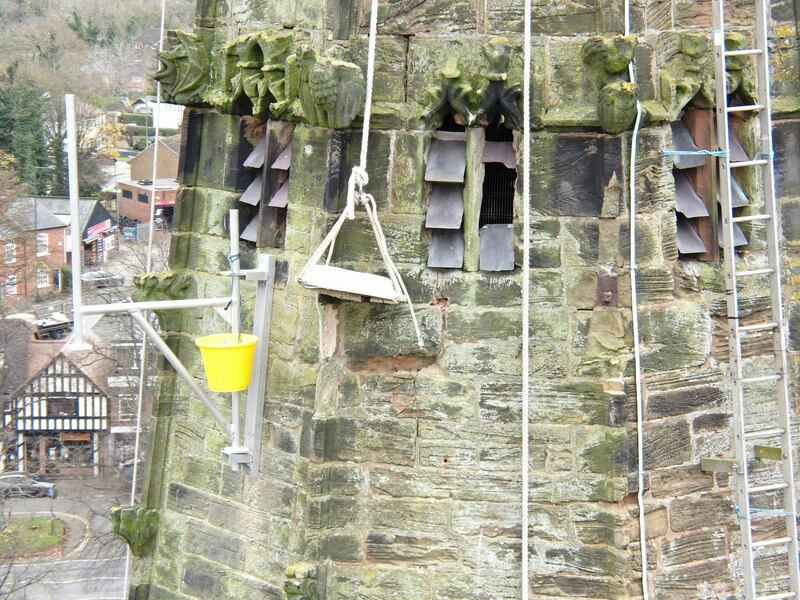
[446,207]
[250,232]
[689,242]
[281,197]
[252,195]
[500,152]
[687,200]
[284,160]
[447,249]
[739,238]
[447,161]
[682,141]
[256,158]
[497,247]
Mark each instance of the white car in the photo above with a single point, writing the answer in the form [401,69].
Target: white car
[24,485]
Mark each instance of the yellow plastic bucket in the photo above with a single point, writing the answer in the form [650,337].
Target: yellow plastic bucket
[228,360]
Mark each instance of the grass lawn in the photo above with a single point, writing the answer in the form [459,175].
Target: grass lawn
[27,537]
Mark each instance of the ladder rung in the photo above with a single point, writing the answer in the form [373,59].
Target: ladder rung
[772,487]
[745,52]
[757,327]
[754,272]
[747,218]
[772,542]
[764,433]
[748,163]
[780,596]
[745,108]
[759,380]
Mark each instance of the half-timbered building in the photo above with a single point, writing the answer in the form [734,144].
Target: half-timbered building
[63,412]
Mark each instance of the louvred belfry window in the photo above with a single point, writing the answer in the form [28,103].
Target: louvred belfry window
[271,158]
[697,209]
[445,171]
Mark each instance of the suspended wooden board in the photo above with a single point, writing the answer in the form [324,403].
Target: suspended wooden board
[350,285]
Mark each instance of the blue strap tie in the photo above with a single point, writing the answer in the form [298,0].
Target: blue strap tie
[720,153]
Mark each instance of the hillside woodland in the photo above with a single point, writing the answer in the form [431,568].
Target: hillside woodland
[96,49]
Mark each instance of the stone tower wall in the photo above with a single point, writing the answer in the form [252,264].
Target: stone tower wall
[389,471]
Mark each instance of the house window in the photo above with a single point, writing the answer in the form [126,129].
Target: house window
[11,285]
[61,406]
[143,198]
[42,244]
[10,253]
[127,194]
[42,278]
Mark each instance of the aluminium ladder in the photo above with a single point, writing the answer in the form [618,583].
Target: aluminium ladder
[746,437]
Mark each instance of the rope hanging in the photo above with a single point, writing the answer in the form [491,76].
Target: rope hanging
[526,287]
[350,284]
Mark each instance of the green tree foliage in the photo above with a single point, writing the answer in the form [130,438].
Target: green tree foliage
[21,129]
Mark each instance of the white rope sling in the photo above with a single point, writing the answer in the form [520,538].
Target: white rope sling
[346,283]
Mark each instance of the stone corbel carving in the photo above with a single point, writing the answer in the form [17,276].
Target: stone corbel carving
[301,582]
[608,60]
[137,526]
[184,68]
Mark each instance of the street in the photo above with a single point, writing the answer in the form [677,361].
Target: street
[92,566]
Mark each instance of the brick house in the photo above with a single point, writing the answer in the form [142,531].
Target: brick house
[134,194]
[36,243]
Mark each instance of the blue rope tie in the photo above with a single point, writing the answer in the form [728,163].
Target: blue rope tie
[720,153]
[765,155]
[769,511]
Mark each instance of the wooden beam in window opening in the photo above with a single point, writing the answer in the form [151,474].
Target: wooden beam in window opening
[738,153]
[284,160]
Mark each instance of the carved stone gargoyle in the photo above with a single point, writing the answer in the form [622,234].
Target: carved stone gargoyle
[260,68]
[137,526]
[497,98]
[183,68]
[608,59]
[451,93]
[331,90]
[301,582]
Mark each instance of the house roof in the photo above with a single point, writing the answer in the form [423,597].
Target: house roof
[32,356]
[90,211]
[35,213]
[170,145]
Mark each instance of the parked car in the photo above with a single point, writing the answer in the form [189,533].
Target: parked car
[102,279]
[25,485]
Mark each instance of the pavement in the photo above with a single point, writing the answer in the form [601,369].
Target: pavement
[92,565]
